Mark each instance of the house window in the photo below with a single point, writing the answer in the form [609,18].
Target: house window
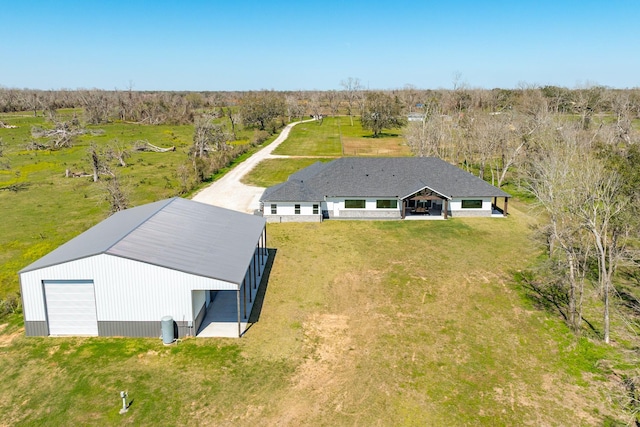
[386,204]
[472,204]
[297,210]
[315,209]
[274,209]
[354,204]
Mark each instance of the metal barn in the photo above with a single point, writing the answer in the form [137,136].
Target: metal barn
[200,264]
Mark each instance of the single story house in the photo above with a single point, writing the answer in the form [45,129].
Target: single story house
[381,188]
[172,259]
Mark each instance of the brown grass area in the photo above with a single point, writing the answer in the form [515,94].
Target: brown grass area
[7,338]
[384,146]
[417,337]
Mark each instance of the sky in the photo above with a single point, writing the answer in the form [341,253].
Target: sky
[200,45]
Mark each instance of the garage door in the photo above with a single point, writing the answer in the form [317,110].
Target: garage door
[71,307]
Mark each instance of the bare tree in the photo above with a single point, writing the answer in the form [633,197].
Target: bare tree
[294,106]
[98,161]
[599,209]
[550,180]
[586,102]
[430,137]
[333,101]
[117,151]
[115,195]
[96,105]
[61,136]
[315,106]
[207,137]
[351,87]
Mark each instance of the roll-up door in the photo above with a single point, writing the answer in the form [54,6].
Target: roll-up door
[71,307]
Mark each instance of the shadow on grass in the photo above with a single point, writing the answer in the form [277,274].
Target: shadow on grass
[549,298]
[262,289]
[382,135]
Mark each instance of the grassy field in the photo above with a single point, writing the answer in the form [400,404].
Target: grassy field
[335,137]
[363,322]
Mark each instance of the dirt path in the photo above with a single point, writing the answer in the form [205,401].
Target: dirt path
[228,192]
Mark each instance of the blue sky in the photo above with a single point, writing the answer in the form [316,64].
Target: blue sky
[286,45]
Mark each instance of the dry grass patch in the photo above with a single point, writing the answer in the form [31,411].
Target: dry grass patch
[391,146]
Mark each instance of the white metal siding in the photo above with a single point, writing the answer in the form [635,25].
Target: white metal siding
[199,299]
[71,308]
[125,290]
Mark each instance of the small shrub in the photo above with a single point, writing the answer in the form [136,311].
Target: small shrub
[11,304]
[259,137]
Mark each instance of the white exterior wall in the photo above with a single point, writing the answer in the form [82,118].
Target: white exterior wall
[288,208]
[125,290]
[455,206]
[335,206]
[286,212]
[199,300]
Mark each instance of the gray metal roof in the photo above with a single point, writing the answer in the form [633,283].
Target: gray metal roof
[176,233]
[393,177]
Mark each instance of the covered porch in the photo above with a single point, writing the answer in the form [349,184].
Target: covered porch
[425,204]
[228,312]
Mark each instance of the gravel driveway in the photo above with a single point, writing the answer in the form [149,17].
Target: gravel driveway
[228,192]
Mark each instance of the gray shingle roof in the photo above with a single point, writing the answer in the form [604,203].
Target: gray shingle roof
[394,177]
[176,233]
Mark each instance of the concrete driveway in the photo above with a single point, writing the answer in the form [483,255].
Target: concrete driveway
[228,192]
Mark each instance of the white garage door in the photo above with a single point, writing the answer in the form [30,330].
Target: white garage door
[71,308]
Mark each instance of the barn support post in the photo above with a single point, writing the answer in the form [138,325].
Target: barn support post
[506,202]
[404,209]
[266,252]
[239,322]
[244,300]
[255,272]
[445,208]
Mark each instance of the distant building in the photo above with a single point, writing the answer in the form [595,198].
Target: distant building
[416,117]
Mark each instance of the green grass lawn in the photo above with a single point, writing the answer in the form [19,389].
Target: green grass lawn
[313,139]
[274,171]
[364,322]
[335,137]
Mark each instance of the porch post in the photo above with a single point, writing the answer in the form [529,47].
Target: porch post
[506,202]
[256,266]
[266,252]
[244,299]
[262,248]
[445,208]
[255,275]
[404,208]
[238,301]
